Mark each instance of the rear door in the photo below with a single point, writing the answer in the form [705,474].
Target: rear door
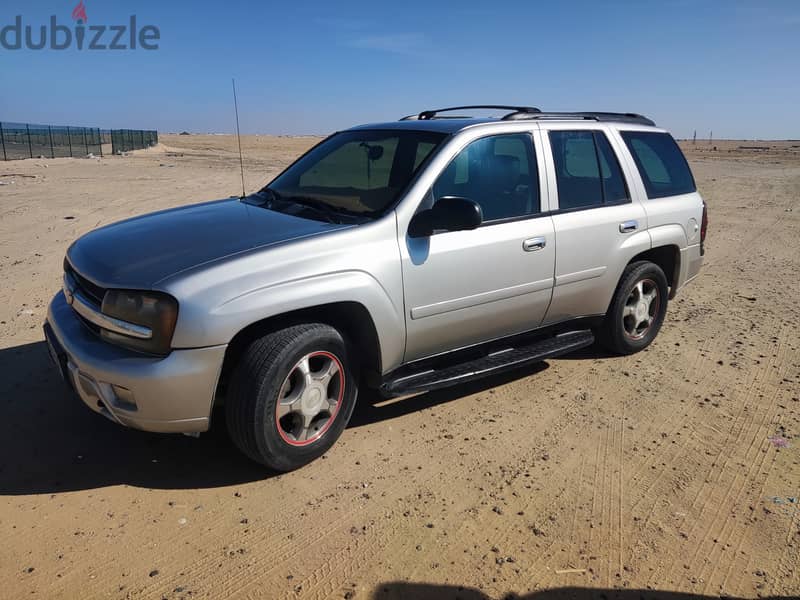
[598,225]
[466,287]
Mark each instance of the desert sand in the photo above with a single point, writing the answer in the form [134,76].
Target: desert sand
[674,470]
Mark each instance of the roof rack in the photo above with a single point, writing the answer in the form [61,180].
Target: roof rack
[584,116]
[519,113]
[426,115]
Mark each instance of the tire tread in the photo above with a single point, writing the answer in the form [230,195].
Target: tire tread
[610,334]
[245,398]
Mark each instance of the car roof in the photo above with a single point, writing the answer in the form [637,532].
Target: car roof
[434,120]
[438,125]
[451,125]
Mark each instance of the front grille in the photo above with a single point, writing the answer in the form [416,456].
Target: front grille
[90,290]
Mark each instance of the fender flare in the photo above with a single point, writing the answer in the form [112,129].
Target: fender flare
[235,314]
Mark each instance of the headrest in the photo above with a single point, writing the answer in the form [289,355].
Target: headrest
[503,171]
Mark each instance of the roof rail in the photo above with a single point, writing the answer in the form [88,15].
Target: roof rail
[586,116]
[519,113]
[426,115]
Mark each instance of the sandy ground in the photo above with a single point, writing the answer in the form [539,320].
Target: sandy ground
[655,472]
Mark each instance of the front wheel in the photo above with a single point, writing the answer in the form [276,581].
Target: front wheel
[637,309]
[291,396]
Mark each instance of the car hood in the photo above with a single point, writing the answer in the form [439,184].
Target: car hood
[140,252]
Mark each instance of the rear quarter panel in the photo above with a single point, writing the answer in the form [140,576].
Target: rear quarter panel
[672,220]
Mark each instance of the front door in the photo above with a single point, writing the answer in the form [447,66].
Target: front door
[467,287]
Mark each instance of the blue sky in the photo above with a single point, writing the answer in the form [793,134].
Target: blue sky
[314,67]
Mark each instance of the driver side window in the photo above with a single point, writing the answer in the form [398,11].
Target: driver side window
[498,172]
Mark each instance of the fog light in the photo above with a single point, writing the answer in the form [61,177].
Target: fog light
[123,398]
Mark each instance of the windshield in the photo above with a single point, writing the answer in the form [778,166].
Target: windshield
[360,171]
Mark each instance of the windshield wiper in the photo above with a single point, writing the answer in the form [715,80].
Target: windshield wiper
[329,213]
[268,194]
[263,198]
[321,208]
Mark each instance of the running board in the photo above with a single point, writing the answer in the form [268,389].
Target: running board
[408,381]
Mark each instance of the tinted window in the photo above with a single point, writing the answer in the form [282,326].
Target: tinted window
[362,171]
[587,170]
[661,163]
[497,172]
[614,188]
[350,167]
[423,151]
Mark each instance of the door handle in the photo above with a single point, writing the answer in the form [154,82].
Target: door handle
[533,244]
[628,226]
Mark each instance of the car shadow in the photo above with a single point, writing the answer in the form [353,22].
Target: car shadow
[50,442]
[424,591]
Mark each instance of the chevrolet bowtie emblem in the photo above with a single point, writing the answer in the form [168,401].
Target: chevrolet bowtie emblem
[69,288]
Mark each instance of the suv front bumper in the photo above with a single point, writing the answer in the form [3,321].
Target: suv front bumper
[171,394]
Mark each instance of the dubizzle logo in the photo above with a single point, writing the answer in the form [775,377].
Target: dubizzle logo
[81,37]
[79,13]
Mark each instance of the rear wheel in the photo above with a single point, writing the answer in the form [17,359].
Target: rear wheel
[637,309]
[291,396]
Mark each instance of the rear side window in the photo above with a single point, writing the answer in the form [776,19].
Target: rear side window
[661,163]
[587,171]
[614,188]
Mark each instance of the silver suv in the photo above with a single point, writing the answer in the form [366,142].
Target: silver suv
[404,256]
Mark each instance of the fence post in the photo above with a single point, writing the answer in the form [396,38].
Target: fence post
[69,141]
[30,148]
[85,143]
[3,139]
[50,133]
[100,139]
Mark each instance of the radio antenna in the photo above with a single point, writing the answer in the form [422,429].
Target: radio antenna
[238,136]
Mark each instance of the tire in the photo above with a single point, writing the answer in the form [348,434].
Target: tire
[632,321]
[280,382]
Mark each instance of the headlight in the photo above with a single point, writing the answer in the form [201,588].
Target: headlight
[153,311]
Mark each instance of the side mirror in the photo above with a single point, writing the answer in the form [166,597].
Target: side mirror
[450,213]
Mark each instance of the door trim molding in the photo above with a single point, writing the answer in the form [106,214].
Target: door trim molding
[429,310]
[580,275]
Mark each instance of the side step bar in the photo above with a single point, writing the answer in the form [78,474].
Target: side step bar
[406,380]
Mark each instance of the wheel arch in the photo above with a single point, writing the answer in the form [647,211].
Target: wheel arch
[351,319]
[668,257]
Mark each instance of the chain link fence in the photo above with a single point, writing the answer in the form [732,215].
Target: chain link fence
[125,140]
[25,140]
